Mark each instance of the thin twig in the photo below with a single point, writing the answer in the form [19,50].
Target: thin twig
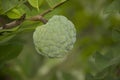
[34,18]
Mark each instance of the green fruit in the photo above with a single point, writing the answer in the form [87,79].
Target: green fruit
[55,38]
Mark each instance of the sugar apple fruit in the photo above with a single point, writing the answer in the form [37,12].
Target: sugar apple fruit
[55,38]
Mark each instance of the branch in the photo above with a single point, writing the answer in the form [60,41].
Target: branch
[38,18]
[14,23]
[49,10]
[34,18]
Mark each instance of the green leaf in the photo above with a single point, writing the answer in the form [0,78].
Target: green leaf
[28,26]
[9,30]
[7,34]
[115,35]
[101,62]
[89,77]
[30,12]
[7,5]
[15,13]
[113,7]
[88,51]
[10,50]
[52,3]
[0,7]
[67,76]
[35,3]
[6,37]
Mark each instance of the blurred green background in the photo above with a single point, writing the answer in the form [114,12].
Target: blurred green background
[95,55]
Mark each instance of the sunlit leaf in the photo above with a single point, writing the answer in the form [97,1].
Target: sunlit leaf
[35,3]
[13,14]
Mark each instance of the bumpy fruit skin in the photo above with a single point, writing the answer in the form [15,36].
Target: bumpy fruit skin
[55,38]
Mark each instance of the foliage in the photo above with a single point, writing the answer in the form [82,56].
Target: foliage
[96,52]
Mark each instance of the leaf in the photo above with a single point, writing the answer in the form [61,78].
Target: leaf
[89,77]
[7,5]
[104,61]
[15,13]
[28,26]
[67,76]
[113,7]
[52,3]
[6,37]
[101,61]
[30,12]
[88,51]
[0,7]
[7,34]
[10,50]
[40,2]
[35,3]
[115,35]
[9,30]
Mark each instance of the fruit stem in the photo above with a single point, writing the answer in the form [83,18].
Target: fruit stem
[43,20]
